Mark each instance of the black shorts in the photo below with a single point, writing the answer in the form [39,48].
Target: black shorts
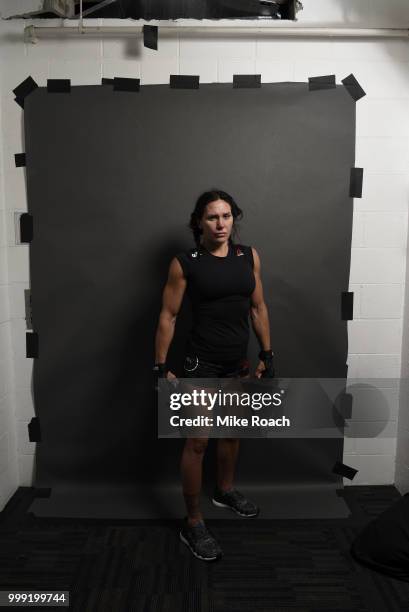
[195,367]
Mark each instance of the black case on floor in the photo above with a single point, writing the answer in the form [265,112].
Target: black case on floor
[383,545]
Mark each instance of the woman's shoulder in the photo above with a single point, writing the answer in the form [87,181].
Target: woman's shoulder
[185,259]
[187,254]
[246,250]
[249,248]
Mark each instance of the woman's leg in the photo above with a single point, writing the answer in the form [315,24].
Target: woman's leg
[193,453]
[227,451]
[191,470]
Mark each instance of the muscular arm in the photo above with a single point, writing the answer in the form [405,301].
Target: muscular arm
[171,301]
[258,310]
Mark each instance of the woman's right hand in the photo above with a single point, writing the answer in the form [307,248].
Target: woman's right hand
[172,378]
[160,371]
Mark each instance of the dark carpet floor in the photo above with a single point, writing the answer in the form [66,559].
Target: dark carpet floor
[298,565]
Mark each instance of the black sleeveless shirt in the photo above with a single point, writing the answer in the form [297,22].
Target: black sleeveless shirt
[219,289]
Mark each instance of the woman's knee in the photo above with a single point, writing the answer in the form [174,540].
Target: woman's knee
[230,441]
[197,445]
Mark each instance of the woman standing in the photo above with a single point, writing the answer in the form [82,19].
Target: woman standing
[223,282]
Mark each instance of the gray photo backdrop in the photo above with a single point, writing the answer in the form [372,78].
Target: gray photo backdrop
[112,178]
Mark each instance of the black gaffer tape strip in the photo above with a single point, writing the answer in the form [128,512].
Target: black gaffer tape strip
[150,37]
[184,81]
[24,89]
[246,80]
[355,182]
[322,82]
[31,344]
[125,84]
[58,85]
[344,470]
[20,160]
[105,81]
[34,431]
[20,101]
[26,227]
[353,87]
[347,306]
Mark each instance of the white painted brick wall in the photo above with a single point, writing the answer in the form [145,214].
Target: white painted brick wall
[381,300]
[8,449]
[377,347]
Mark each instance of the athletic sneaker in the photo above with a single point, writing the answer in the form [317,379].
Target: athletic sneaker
[234,500]
[201,542]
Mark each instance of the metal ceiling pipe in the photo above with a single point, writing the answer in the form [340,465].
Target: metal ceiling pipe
[272,29]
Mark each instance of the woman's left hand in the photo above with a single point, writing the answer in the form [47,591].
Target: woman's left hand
[260,369]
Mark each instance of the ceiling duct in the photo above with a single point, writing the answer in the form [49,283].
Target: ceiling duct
[45,9]
[162,9]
